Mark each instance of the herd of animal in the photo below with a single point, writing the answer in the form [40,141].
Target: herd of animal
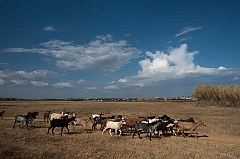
[154,125]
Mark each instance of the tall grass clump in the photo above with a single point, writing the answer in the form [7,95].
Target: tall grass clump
[207,95]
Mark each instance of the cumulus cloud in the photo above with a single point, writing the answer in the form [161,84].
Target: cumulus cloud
[39,84]
[63,85]
[187,30]
[173,67]
[49,28]
[100,54]
[19,82]
[176,62]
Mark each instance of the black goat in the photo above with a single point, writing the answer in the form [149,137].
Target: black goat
[60,123]
[1,113]
[164,127]
[147,127]
[24,119]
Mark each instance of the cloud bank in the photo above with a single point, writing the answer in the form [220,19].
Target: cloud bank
[100,54]
[175,66]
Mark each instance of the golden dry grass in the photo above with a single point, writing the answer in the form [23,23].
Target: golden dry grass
[222,129]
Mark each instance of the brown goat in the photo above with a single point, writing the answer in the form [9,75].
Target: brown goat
[189,126]
[46,116]
[131,122]
[187,120]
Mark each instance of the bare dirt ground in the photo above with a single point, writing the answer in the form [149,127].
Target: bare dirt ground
[219,139]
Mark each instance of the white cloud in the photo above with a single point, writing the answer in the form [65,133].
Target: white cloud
[49,28]
[23,78]
[169,42]
[91,88]
[174,63]
[112,87]
[236,78]
[185,39]
[39,84]
[165,68]
[187,29]
[19,82]
[82,81]
[222,68]
[63,85]
[100,54]
[34,75]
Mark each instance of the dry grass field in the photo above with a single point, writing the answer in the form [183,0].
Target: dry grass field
[219,139]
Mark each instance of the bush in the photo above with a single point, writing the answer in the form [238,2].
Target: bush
[207,95]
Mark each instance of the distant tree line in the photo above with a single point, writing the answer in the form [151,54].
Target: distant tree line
[210,95]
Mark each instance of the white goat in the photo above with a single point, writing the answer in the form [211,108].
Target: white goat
[114,125]
[56,116]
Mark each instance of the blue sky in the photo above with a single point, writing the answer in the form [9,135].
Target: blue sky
[90,49]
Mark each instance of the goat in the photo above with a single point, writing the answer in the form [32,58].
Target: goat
[60,123]
[113,125]
[164,126]
[69,115]
[187,120]
[46,116]
[80,121]
[131,122]
[33,115]
[147,127]
[1,113]
[24,119]
[189,126]
[57,116]
[96,119]
[110,118]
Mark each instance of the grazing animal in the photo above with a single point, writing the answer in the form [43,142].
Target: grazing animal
[113,125]
[164,127]
[97,119]
[80,121]
[25,119]
[147,127]
[33,115]
[60,123]
[189,126]
[131,122]
[1,113]
[57,116]
[46,116]
[187,120]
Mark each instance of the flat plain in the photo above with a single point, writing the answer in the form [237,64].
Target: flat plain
[220,138]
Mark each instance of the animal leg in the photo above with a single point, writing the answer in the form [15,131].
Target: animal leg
[120,132]
[139,135]
[104,130]
[67,129]
[14,125]
[61,130]
[48,130]
[133,134]
[110,132]
[183,134]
